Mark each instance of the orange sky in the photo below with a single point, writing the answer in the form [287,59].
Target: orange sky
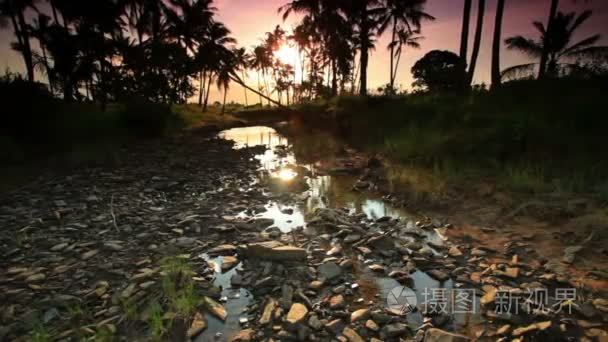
[250,19]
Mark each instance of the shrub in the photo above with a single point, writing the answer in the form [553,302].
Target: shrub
[146,119]
[28,110]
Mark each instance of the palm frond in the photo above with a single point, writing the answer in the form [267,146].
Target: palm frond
[518,72]
[525,45]
[587,42]
[591,52]
[580,20]
[540,27]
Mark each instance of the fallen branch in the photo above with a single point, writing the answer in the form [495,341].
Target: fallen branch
[112,213]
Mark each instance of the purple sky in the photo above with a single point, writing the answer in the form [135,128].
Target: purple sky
[250,19]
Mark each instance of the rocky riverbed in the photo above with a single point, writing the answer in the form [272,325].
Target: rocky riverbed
[189,239]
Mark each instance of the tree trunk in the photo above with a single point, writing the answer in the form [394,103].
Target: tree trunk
[243,75]
[477,42]
[201,88]
[334,78]
[396,68]
[238,81]
[54,10]
[500,8]
[464,35]
[364,58]
[26,48]
[260,88]
[208,91]
[545,55]
[392,78]
[224,103]
[47,67]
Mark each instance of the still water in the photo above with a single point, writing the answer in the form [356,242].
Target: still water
[324,191]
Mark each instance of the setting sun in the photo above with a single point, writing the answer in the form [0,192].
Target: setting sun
[287,54]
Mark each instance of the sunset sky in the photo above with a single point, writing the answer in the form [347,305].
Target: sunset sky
[250,19]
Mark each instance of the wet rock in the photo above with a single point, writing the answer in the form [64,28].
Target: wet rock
[329,271]
[314,322]
[359,315]
[438,275]
[351,335]
[244,336]
[276,251]
[352,238]
[346,264]
[454,252]
[376,268]
[296,314]
[262,223]
[532,327]
[371,325]
[315,285]
[337,302]
[438,335]
[222,250]
[394,330]
[489,296]
[215,308]
[381,242]
[197,326]
[228,262]
[267,312]
[59,247]
[34,278]
[334,326]
[236,280]
[570,253]
[601,304]
[287,296]
[89,254]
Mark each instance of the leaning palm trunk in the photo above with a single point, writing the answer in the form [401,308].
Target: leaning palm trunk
[201,88]
[393,68]
[26,48]
[243,76]
[496,78]
[477,41]
[545,53]
[208,88]
[240,82]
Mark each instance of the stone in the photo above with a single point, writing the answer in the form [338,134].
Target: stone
[381,242]
[503,330]
[267,313]
[275,251]
[540,326]
[352,238]
[35,278]
[376,268]
[337,302]
[229,262]
[286,296]
[454,252]
[315,285]
[296,314]
[438,335]
[244,336]
[89,254]
[215,308]
[329,270]
[334,326]
[438,275]
[394,330]
[314,322]
[351,335]
[59,246]
[570,253]
[489,296]
[222,250]
[359,315]
[371,325]
[197,326]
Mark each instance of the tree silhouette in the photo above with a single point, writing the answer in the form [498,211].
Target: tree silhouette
[500,9]
[439,71]
[562,53]
[476,41]
[405,19]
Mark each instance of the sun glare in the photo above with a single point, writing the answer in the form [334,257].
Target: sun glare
[287,54]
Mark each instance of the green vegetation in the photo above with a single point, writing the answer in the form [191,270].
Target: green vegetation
[528,136]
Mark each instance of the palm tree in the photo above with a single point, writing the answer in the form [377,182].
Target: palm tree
[477,41]
[242,58]
[364,15]
[464,35]
[15,10]
[404,38]
[405,18]
[545,53]
[500,9]
[562,53]
[39,28]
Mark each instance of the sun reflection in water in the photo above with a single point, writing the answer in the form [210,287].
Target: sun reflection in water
[286,174]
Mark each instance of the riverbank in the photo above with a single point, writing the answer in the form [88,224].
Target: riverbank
[188,237]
